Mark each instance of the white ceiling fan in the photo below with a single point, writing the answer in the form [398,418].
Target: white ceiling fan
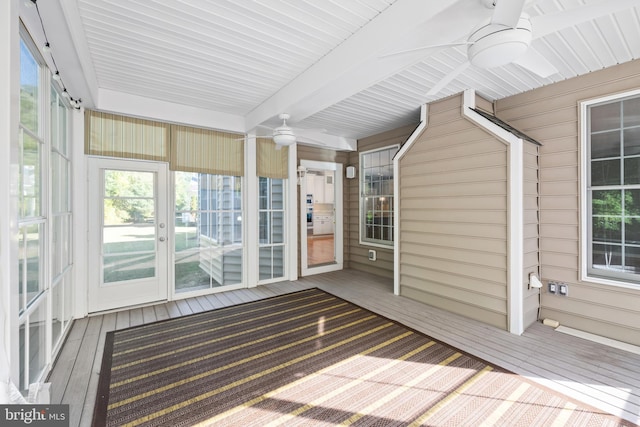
[284,135]
[508,35]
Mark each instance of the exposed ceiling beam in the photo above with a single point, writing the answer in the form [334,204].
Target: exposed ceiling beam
[357,63]
[138,106]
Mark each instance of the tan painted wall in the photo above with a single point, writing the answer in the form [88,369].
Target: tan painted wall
[356,255]
[453,217]
[551,115]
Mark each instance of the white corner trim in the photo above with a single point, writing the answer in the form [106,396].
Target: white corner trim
[599,339]
[424,109]
[515,291]
[293,217]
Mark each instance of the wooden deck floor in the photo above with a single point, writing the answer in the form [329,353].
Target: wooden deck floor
[598,375]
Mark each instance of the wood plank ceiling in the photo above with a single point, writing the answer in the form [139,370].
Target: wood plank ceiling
[321,61]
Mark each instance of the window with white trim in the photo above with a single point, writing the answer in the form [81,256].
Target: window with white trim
[45,226]
[613,189]
[376,196]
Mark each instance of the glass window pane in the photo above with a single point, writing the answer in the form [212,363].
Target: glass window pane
[265,263]
[632,260]
[30,177]
[277,194]
[606,202]
[607,257]
[605,145]
[128,184]
[605,117]
[30,257]
[632,202]
[605,172]
[264,228]
[632,231]
[278,261]
[129,267]
[631,108]
[37,342]
[607,229]
[57,312]
[632,141]
[277,227]
[29,89]
[22,339]
[263,191]
[632,171]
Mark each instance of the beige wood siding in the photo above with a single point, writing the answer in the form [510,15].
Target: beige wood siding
[453,217]
[356,255]
[551,115]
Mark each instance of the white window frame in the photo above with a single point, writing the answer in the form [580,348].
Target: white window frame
[361,209]
[39,310]
[585,199]
[271,244]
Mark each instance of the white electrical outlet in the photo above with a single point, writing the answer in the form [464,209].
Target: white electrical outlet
[553,287]
[372,255]
[563,289]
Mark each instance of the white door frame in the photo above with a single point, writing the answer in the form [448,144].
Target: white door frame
[117,295]
[306,270]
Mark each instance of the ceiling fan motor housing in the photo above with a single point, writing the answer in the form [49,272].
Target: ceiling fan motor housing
[496,45]
[283,135]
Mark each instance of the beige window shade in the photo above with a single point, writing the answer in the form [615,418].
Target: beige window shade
[272,162]
[206,151]
[113,135]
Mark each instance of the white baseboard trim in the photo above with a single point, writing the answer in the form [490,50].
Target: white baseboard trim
[600,339]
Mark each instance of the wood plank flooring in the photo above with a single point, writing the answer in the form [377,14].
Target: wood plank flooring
[320,249]
[601,376]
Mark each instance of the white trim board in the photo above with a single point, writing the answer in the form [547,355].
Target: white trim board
[599,339]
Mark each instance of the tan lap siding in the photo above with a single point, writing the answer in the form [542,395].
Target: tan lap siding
[453,217]
[357,255]
[550,115]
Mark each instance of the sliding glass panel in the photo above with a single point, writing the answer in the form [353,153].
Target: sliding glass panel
[208,247]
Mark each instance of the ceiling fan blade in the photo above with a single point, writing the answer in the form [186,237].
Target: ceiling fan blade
[546,24]
[507,12]
[425,48]
[535,62]
[449,78]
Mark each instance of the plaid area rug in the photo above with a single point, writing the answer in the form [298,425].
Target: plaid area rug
[310,358]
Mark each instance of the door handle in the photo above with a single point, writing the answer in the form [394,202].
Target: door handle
[162,238]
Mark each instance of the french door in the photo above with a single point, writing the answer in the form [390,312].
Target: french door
[321,228]
[128,233]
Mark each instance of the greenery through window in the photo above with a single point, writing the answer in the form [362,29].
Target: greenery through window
[614,189]
[376,196]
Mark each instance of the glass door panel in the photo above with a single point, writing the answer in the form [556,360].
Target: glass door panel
[129,234]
